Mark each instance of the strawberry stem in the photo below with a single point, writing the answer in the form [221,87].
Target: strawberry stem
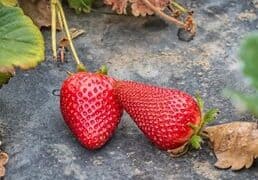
[53,27]
[163,15]
[60,20]
[58,12]
[179,7]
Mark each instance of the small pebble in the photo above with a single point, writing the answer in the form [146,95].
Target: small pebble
[228,44]
[89,57]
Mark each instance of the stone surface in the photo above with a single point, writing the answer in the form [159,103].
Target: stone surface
[144,49]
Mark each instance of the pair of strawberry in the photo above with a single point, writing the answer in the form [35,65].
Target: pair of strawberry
[92,106]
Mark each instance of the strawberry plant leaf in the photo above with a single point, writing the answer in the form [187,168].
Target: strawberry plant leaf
[243,102]
[81,5]
[196,141]
[21,42]
[8,2]
[249,58]
[210,115]
[4,78]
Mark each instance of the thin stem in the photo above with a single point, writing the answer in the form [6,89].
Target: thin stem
[76,58]
[60,20]
[53,27]
[163,15]
[179,7]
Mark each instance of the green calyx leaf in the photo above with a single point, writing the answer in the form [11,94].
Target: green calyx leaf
[81,5]
[196,141]
[210,116]
[81,68]
[249,58]
[103,70]
[206,118]
[199,100]
[21,42]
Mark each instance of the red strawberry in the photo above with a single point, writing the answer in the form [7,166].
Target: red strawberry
[90,108]
[168,117]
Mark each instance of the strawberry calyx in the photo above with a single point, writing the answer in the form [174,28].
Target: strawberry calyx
[103,70]
[206,117]
[196,139]
[81,68]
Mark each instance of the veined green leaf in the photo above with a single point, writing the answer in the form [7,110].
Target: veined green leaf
[9,2]
[244,102]
[249,58]
[21,42]
[81,5]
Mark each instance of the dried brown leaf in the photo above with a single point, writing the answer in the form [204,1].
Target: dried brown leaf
[139,8]
[39,11]
[3,160]
[63,42]
[179,151]
[235,144]
[118,5]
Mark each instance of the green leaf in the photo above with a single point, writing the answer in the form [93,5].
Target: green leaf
[4,78]
[196,141]
[81,5]
[210,115]
[21,42]
[8,2]
[244,102]
[249,58]
[199,100]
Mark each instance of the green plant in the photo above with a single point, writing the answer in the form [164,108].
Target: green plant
[21,42]
[249,63]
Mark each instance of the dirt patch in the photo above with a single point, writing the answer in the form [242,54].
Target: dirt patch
[65,156]
[247,16]
[206,170]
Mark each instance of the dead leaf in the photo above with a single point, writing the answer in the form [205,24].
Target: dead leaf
[39,11]
[139,8]
[168,10]
[3,160]
[179,151]
[235,144]
[118,5]
[64,43]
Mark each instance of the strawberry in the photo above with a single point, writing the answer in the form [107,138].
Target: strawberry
[90,108]
[170,118]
